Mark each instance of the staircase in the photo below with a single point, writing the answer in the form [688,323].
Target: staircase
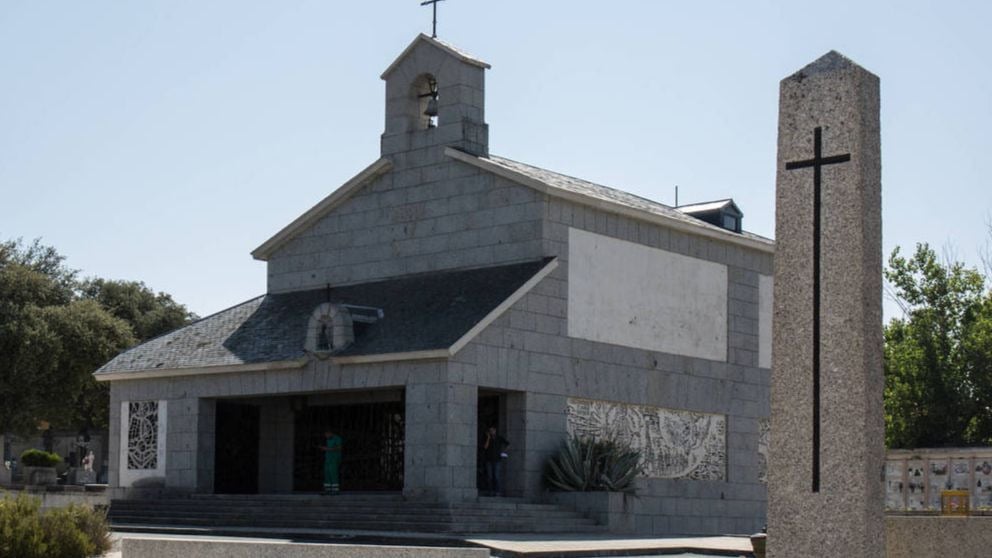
[345,512]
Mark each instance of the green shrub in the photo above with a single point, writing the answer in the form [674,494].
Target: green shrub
[71,532]
[586,464]
[93,524]
[64,538]
[38,458]
[21,532]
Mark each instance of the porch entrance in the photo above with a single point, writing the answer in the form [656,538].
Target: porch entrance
[490,411]
[236,448]
[372,456]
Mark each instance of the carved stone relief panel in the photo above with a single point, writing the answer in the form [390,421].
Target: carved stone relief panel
[675,444]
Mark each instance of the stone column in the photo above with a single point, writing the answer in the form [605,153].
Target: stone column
[827,431]
[206,440]
[440,441]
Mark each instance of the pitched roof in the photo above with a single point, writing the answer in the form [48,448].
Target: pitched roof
[606,198]
[449,48]
[550,182]
[424,312]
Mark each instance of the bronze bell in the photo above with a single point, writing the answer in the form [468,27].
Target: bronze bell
[431,107]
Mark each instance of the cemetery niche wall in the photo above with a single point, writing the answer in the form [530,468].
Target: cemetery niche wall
[444,289]
[915,479]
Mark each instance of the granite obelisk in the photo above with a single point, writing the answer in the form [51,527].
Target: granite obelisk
[825,493]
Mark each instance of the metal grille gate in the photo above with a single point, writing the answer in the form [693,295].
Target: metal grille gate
[372,457]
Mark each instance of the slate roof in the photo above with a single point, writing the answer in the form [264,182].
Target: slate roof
[598,191]
[421,312]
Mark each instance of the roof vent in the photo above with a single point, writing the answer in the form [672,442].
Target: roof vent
[721,213]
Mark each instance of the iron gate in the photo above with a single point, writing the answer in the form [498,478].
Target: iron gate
[372,456]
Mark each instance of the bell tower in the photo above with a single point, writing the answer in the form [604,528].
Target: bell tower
[435,97]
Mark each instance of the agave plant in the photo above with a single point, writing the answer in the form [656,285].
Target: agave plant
[586,464]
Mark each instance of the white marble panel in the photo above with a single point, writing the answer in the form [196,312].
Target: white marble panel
[765,288]
[628,294]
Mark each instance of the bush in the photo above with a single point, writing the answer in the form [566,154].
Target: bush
[64,538]
[93,523]
[21,532]
[38,458]
[585,465]
[71,532]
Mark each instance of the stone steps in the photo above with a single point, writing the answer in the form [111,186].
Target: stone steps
[423,526]
[388,512]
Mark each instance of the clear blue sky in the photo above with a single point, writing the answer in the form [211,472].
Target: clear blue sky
[162,141]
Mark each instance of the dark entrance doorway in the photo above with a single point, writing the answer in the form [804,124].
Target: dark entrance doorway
[372,456]
[236,449]
[489,414]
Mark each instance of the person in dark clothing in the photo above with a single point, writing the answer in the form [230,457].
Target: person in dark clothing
[494,451]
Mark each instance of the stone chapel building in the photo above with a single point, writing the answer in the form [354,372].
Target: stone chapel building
[444,289]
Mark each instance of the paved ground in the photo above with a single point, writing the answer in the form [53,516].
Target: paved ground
[606,545]
[522,546]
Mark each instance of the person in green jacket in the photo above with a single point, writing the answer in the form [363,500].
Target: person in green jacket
[332,461]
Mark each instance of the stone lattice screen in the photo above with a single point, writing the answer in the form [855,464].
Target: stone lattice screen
[142,435]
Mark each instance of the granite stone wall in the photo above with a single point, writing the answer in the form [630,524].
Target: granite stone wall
[440,421]
[429,213]
[527,350]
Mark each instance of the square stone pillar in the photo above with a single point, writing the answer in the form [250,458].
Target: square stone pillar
[545,429]
[440,441]
[827,429]
[205,442]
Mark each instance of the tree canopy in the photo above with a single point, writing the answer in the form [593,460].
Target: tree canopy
[149,314]
[938,356]
[56,330]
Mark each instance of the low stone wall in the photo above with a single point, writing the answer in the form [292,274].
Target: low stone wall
[165,548]
[59,497]
[612,509]
[922,537]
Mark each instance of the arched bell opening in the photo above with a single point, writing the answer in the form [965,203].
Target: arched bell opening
[425,91]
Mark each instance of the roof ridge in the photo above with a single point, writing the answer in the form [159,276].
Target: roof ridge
[597,184]
[606,198]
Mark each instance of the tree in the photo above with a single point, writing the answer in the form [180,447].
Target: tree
[55,331]
[937,367]
[150,314]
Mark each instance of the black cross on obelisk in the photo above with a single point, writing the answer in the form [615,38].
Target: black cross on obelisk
[434,4]
[817,162]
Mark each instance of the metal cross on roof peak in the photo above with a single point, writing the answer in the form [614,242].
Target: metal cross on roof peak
[433,4]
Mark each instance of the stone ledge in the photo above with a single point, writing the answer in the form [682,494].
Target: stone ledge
[961,537]
[166,548]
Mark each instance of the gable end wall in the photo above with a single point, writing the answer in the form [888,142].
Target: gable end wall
[417,218]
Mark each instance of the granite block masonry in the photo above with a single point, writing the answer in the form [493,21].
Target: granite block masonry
[827,431]
[478,290]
